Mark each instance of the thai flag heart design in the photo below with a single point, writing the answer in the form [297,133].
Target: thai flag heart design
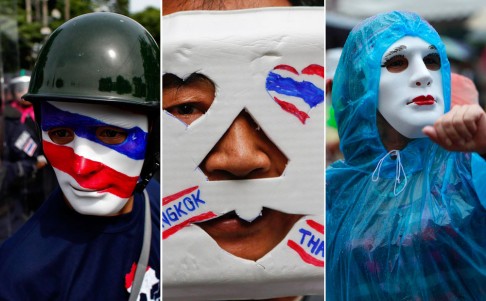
[295,92]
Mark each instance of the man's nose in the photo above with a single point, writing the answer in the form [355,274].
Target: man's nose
[240,153]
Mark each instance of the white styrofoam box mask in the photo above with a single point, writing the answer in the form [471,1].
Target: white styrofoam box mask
[411,94]
[269,64]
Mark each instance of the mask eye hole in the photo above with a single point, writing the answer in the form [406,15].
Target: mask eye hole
[432,61]
[396,64]
[187,99]
[61,136]
[111,135]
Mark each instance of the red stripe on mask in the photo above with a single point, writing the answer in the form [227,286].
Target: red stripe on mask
[87,173]
[304,255]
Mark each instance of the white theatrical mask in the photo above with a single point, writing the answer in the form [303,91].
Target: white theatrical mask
[96,176]
[411,94]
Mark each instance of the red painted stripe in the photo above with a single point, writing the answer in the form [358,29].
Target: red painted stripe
[88,173]
[194,219]
[177,195]
[305,256]
[286,67]
[314,69]
[292,109]
[316,226]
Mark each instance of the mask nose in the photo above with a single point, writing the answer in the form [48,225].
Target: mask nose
[244,152]
[82,165]
[420,76]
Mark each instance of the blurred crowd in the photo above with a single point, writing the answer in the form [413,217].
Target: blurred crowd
[25,176]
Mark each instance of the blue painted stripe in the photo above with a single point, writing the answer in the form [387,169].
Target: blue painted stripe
[311,94]
[133,147]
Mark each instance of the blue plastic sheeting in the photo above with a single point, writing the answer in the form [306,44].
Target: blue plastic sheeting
[407,224]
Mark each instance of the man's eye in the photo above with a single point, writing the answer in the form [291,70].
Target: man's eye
[432,61]
[109,135]
[185,109]
[187,112]
[396,64]
[61,135]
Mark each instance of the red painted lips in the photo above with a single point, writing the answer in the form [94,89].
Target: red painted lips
[423,100]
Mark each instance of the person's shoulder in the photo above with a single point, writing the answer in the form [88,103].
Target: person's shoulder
[24,260]
[339,171]
[154,186]
[29,233]
[18,250]
[27,254]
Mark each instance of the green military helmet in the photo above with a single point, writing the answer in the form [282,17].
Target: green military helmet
[102,58]
[98,58]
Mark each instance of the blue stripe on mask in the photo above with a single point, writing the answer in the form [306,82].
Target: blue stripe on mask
[83,126]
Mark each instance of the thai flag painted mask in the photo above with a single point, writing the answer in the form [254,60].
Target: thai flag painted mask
[97,152]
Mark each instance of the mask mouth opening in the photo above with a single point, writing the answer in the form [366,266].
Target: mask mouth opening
[234,234]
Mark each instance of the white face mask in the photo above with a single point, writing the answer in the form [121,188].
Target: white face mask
[411,94]
[97,153]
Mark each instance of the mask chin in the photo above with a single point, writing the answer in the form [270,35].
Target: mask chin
[103,204]
[412,128]
[99,209]
[410,131]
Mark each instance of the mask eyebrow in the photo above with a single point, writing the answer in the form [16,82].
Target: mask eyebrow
[393,51]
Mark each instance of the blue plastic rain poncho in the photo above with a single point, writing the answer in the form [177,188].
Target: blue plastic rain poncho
[406,225]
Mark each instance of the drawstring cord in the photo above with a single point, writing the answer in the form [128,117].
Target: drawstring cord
[398,171]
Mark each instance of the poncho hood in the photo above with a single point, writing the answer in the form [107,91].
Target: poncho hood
[356,88]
